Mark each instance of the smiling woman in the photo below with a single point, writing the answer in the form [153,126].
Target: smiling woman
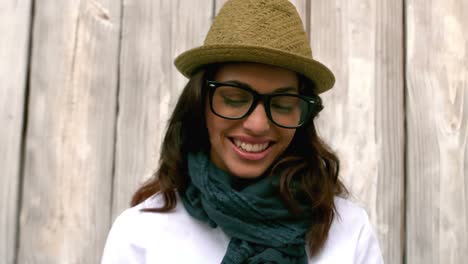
[243,176]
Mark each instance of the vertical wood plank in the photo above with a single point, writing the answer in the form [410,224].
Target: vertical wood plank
[363,119]
[14,44]
[65,211]
[437,113]
[154,33]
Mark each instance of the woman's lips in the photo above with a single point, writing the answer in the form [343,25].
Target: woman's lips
[251,150]
[250,147]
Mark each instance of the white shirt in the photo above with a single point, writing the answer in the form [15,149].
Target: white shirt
[176,237]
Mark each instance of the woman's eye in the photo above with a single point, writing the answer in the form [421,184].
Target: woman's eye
[235,101]
[282,108]
[234,97]
[284,104]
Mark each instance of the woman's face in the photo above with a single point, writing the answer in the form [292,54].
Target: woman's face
[247,147]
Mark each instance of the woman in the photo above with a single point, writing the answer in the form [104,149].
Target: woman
[243,176]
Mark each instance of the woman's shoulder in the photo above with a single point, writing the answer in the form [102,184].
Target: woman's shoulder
[139,236]
[351,236]
[350,221]
[140,223]
[133,224]
[349,212]
[136,216]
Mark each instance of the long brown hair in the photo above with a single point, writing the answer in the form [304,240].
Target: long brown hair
[307,161]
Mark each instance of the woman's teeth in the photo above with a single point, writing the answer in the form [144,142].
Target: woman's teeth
[250,147]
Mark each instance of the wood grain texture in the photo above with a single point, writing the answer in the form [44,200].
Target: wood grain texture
[363,119]
[154,33]
[14,44]
[65,211]
[437,113]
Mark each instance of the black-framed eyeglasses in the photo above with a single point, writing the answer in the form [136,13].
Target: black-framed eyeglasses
[235,101]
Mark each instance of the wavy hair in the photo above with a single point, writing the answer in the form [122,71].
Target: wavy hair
[307,161]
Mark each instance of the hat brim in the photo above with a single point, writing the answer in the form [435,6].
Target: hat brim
[190,61]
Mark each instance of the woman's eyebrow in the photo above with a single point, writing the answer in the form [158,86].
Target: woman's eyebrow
[235,82]
[277,90]
[286,89]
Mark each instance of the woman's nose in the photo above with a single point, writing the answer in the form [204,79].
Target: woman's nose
[257,122]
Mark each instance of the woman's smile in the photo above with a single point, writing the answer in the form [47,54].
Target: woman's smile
[251,149]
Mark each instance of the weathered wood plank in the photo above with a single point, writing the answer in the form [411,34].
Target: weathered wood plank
[154,33]
[14,44]
[437,112]
[65,212]
[363,118]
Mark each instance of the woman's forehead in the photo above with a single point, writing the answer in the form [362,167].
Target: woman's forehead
[257,75]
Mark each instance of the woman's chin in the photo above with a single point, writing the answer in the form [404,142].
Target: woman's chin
[246,173]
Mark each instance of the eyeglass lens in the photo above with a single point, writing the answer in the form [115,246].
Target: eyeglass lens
[233,102]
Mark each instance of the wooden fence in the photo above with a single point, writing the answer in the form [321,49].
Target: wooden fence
[86,88]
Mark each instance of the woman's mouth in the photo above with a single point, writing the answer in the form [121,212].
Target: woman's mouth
[251,151]
[249,147]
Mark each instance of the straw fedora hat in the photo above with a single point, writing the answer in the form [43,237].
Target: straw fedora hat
[262,31]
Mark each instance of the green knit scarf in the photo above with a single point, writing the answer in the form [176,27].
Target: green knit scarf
[260,226]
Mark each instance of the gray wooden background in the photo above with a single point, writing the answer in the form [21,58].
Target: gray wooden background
[86,88]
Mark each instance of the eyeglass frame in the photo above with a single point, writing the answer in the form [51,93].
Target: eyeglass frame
[314,102]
